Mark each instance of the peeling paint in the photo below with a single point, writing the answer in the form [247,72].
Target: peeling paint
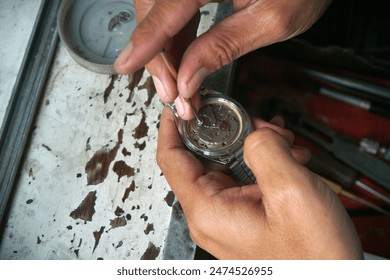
[118,222]
[133,83]
[131,188]
[151,252]
[46,147]
[86,209]
[144,217]
[142,129]
[120,244]
[139,146]
[170,198]
[119,211]
[122,169]
[97,235]
[97,167]
[109,88]
[125,152]
[149,86]
[149,228]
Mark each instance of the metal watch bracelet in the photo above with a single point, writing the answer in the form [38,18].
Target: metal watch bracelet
[240,171]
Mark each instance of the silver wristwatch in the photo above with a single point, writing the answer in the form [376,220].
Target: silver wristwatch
[220,135]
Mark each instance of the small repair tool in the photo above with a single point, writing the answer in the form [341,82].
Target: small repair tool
[339,190]
[371,106]
[173,72]
[341,147]
[360,85]
[326,165]
[375,148]
[344,150]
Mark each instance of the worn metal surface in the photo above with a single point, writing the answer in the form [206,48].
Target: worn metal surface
[89,187]
[25,97]
[15,30]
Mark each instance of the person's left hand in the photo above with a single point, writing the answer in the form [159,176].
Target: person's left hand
[289,214]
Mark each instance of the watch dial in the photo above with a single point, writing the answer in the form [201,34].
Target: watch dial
[221,126]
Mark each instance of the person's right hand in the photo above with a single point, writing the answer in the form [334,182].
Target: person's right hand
[289,214]
[172,25]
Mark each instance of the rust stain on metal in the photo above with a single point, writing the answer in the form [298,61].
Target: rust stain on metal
[122,169]
[149,86]
[97,235]
[149,228]
[142,129]
[170,198]
[86,209]
[151,252]
[97,167]
[131,188]
[110,87]
[134,80]
[118,222]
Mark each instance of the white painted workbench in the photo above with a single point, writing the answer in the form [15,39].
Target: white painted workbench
[15,30]
[89,186]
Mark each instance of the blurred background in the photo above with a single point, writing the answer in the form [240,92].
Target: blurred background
[332,86]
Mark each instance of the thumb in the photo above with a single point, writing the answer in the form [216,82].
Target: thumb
[269,157]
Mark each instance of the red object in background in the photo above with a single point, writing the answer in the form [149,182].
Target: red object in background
[374,232]
[357,123]
[349,120]
[262,77]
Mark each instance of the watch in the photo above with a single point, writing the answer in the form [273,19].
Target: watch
[220,134]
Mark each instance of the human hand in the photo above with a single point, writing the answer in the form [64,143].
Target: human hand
[172,26]
[289,214]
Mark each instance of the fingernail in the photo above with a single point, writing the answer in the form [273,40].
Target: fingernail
[160,89]
[179,103]
[195,82]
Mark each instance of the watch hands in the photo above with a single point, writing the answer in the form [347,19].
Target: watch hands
[173,73]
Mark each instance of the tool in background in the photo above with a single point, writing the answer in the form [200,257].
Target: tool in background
[326,165]
[371,106]
[173,73]
[346,151]
[375,148]
[371,88]
[339,190]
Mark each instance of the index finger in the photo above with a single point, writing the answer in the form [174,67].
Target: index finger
[164,21]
